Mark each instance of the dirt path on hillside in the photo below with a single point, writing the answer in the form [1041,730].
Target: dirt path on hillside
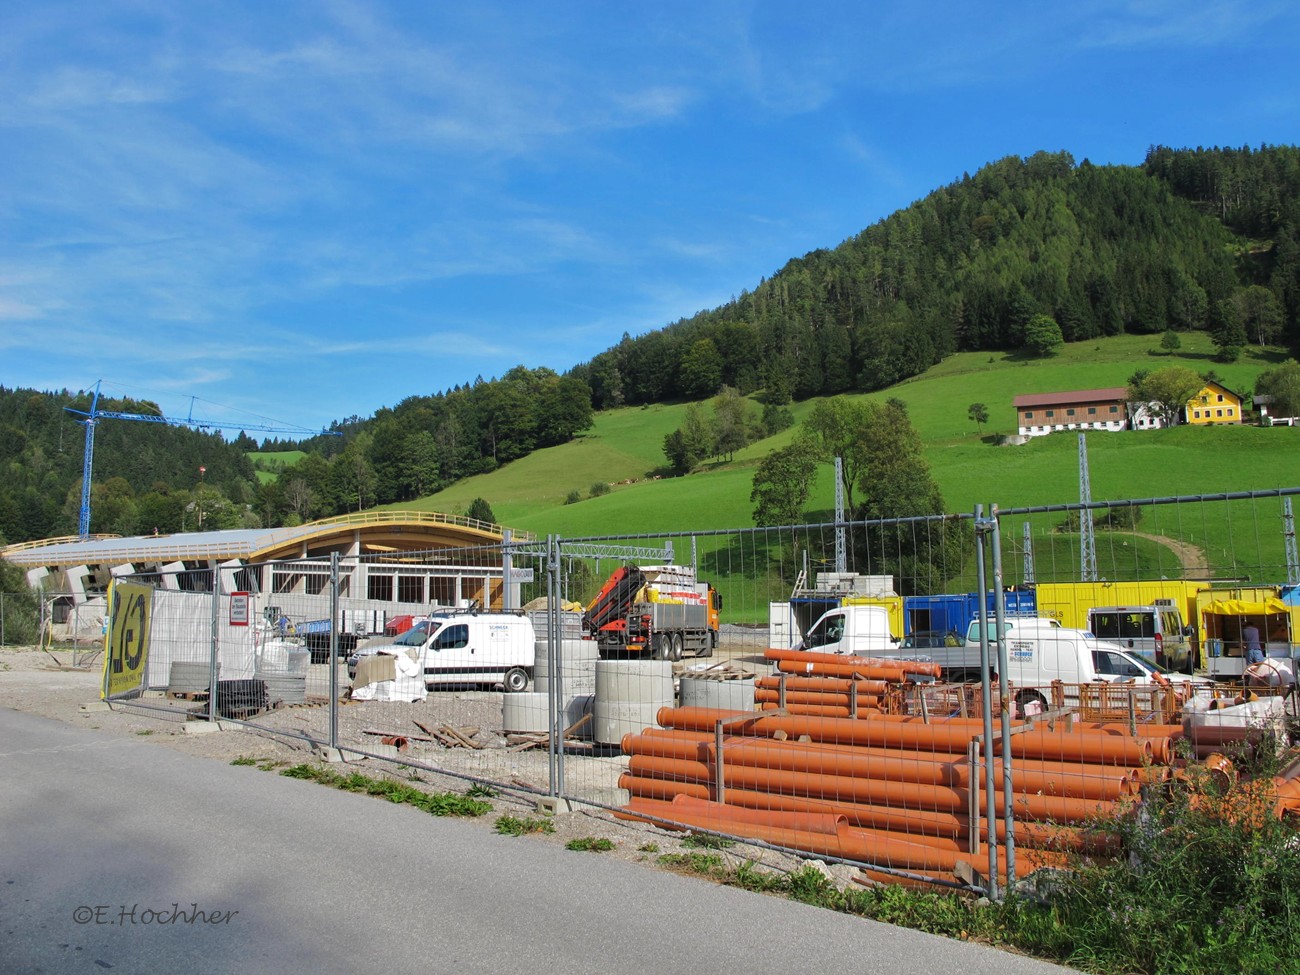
[1191,557]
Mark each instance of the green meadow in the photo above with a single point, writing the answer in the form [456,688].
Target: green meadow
[268,464]
[1241,540]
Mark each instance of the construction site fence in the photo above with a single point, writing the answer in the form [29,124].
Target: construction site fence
[913,781]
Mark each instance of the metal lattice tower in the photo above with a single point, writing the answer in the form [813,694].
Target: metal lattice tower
[1292,557]
[1027,572]
[1087,540]
[841,559]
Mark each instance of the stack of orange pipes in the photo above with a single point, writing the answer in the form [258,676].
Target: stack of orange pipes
[898,788]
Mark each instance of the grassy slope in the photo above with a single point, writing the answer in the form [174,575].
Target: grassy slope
[529,493]
[267,464]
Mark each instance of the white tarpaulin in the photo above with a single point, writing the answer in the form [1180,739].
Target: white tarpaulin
[181,630]
[385,677]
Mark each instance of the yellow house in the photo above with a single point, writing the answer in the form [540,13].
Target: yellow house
[1215,403]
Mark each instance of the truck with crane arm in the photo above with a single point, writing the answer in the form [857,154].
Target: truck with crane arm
[658,611]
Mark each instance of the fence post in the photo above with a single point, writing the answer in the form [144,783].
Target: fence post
[1004,692]
[335,623]
[213,666]
[986,705]
[554,660]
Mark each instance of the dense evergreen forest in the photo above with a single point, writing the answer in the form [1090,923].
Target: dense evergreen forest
[1192,239]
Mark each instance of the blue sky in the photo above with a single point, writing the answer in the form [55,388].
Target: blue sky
[289,213]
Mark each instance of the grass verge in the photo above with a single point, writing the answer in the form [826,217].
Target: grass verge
[434,803]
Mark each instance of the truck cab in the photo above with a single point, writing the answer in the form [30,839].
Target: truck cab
[858,630]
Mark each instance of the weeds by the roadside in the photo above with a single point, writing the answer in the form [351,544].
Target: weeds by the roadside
[434,803]
[709,864]
[590,844]
[518,826]
[706,841]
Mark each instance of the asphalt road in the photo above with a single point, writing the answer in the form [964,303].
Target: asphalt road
[120,855]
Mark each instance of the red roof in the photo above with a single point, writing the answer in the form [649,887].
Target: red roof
[1115,394]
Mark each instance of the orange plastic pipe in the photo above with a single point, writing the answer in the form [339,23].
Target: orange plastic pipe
[952,736]
[875,791]
[822,710]
[815,697]
[886,667]
[705,814]
[823,685]
[876,847]
[913,822]
[1048,778]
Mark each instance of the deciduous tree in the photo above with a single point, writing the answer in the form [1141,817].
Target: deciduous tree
[782,484]
[1043,336]
[1165,391]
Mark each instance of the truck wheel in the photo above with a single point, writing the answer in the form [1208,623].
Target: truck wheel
[677,646]
[710,642]
[1027,701]
[516,680]
[663,648]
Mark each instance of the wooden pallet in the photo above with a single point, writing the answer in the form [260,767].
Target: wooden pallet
[187,695]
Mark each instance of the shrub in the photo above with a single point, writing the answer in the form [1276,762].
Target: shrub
[20,606]
[599,489]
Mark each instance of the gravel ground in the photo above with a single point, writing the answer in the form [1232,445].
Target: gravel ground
[45,683]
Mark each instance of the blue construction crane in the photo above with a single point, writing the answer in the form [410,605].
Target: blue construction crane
[95,414]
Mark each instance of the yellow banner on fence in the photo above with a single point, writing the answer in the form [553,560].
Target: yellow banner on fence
[126,646]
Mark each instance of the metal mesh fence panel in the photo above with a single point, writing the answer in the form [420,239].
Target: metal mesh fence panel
[925,698]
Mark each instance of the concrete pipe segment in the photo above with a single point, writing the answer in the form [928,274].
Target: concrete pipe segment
[629,693]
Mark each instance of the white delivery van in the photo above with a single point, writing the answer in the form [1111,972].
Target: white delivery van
[862,631]
[1040,652]
[1155,633]
[469,648]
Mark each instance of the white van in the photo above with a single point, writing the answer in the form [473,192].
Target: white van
[468,648]
[1155,633]
[1039,653]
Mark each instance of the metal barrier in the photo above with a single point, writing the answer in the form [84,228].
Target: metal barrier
[688,720]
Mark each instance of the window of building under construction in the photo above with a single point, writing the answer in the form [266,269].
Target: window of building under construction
[410,589]
[285,580]
[379,587]
[442,591]
[195,577]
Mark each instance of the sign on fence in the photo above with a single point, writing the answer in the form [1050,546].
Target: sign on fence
[128,637]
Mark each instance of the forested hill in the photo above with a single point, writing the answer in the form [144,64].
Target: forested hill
[1191,239]
[1101,249]
[146,475]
